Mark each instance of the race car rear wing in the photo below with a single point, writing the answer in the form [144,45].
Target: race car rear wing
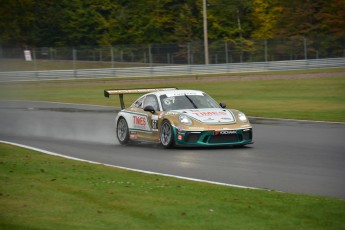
[121,92]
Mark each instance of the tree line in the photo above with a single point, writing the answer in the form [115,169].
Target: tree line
[47,23]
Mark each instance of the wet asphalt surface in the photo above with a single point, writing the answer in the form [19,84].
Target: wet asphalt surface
[290,156]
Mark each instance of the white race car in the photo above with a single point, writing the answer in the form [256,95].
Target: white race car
[179,117]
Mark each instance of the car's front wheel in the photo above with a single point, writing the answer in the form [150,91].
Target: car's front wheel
[122,131]
[166,135]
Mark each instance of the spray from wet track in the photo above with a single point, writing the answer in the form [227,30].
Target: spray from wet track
[58,121]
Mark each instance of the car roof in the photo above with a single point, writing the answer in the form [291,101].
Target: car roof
[179,91]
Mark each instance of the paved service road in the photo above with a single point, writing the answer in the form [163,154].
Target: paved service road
[289,156]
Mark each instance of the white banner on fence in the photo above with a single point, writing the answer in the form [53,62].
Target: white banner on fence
[27,55]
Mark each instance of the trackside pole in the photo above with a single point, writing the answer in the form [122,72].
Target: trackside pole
[122,101]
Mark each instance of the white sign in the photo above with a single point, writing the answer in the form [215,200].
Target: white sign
[27,55]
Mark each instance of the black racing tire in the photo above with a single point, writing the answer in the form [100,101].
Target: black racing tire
[166,135]
[122,131]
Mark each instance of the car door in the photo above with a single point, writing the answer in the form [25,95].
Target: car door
[151,118]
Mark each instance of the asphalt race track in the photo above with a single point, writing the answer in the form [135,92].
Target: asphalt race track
[290,156]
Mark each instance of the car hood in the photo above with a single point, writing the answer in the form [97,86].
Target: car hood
[210,116]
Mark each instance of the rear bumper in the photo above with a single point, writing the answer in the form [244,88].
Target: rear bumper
[214,137]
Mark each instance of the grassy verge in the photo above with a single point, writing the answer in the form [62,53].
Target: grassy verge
[39,191]
[309,99]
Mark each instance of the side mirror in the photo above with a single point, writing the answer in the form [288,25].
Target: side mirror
[223,105]
[150,109]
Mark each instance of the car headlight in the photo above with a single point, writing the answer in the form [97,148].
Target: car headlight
[184,119]
[242,117]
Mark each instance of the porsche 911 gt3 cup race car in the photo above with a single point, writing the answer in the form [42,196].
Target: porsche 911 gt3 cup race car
[173,116]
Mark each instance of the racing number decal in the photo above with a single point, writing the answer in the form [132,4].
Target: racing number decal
[154,123]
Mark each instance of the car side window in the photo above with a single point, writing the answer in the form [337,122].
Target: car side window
[139,102]
[152,101]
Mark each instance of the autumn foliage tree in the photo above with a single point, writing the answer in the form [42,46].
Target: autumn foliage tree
[106,22]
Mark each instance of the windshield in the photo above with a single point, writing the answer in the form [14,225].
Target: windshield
[187,101]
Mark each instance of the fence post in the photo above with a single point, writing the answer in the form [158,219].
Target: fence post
[226,52]
[51,53]
[112,56]
[150,55]
[266,58]
[34,62]
[305,48]
[188,54]
[74,62]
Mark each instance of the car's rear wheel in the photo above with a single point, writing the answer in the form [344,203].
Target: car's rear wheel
[122,131]
[166,135]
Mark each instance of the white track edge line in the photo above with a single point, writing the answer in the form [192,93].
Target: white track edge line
[129,169]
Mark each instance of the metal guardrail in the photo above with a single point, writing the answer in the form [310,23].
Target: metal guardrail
[170,70]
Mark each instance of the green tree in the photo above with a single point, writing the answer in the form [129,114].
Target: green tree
[47,22]
[143,21]
[16,22]
[297,17]
[108,22]
[332,18]
[229,19]
[264,18]
[82,23]
[188,22]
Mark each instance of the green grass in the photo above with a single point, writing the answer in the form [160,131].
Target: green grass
[308,99]
[39,191]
